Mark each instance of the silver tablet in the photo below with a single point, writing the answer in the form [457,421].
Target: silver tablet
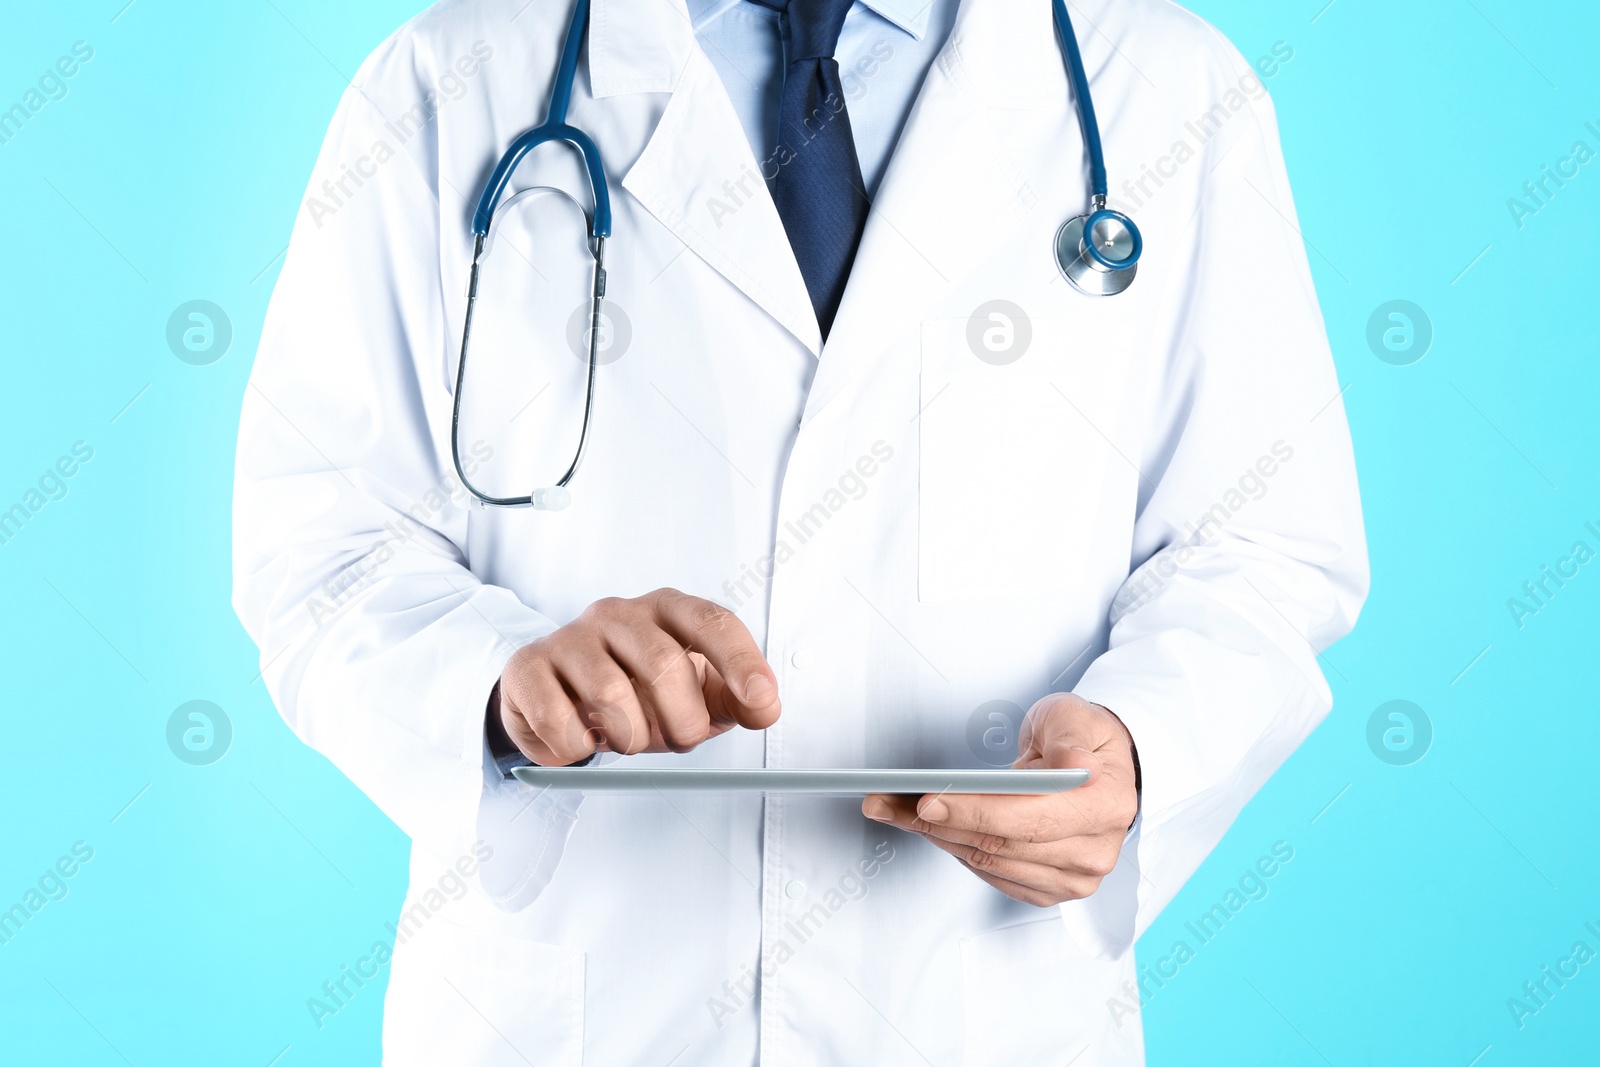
[839,783]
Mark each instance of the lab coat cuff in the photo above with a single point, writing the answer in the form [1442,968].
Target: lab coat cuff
[1105,923]
[1167,769]
[513,626]
[503,765]
[526,830]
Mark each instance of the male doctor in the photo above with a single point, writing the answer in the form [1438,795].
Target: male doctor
[866,479]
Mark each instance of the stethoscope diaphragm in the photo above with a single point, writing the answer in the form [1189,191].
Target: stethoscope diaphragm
[1098,252]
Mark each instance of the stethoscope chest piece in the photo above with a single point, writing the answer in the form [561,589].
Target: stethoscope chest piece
[1106,262]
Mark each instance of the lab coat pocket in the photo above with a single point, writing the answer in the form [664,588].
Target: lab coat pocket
[1018,424]
[458,995]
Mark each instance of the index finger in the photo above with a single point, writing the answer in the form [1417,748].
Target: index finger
[718,635]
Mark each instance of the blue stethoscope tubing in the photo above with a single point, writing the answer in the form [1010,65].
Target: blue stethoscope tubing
[1100,216]
[554,128]
[1074,257]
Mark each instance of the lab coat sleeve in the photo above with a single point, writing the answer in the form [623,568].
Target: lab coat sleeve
[1248,551]
[378,644]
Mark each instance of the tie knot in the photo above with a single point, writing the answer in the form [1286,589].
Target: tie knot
[814,27]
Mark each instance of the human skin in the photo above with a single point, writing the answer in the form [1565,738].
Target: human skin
[667,671]
[663,672]
[1041,850]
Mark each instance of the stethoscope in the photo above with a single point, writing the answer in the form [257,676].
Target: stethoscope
[1097,252]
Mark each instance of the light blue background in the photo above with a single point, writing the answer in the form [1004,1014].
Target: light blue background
[1420,898]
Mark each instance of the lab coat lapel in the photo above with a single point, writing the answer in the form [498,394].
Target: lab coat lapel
[700,179]
[956,190]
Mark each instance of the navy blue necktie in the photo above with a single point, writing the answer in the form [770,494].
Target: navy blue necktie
[820,195]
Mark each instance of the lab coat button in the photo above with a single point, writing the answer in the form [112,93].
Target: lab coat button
[800,659]
[795,889]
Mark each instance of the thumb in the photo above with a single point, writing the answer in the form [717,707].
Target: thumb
[1064,753]
[1052,722]
[1061,754]
[1057,734]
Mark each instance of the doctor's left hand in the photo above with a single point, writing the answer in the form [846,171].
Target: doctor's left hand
[1040,850]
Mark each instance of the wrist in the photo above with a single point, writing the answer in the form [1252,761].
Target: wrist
[1133,754]
[494,728]
[503,751]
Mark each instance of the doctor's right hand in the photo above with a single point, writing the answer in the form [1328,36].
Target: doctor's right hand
[662,672]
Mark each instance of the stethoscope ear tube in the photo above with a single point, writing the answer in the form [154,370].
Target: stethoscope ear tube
[461,388]
[549,498]
[599,222]
[1084,244]
[554,128]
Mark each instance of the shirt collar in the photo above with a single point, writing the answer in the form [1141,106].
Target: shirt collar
[910,15]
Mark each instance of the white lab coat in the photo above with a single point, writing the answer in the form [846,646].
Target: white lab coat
[940,531]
